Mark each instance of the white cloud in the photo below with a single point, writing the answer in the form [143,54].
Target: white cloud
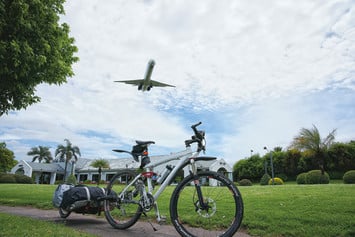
[253,64]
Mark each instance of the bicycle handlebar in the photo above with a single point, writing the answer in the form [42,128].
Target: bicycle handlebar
[199,137]
[195,125]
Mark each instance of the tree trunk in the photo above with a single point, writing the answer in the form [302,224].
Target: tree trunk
[98,183]
[65,171]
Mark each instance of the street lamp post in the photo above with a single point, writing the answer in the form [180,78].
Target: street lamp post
[271,164]
[265,166]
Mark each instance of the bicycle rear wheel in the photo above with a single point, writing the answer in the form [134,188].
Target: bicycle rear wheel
[221,217]
[63,213]
[122,209]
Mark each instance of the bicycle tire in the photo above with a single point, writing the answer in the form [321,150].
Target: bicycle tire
[122,210]
[63,213]
[222,218]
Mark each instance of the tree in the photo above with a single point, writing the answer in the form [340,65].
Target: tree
[41,153]
[67,153]
[341,157]
[34,49]
[7,158]
[291,162]
[249,168]
[100,164]
[309,140]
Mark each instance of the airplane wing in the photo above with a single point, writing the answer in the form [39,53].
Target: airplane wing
[133,82]
[157,83]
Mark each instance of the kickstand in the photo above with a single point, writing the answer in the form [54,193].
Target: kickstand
[145,214]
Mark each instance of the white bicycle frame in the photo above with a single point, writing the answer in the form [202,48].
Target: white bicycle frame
[185,157]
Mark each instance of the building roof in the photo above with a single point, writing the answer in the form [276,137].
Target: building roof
[84,164]
[46,167]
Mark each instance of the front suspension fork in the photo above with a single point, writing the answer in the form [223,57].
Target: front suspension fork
[197,184]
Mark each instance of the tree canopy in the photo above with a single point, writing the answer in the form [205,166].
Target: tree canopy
[7,158]
[41,153]
[67,153]
[308,151]
[100,164]
[309,140]
[34,49]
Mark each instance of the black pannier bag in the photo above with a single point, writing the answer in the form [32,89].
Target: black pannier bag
[83,199]
[59,192]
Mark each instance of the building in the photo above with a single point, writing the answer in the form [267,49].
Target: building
[49,173]
[43,173]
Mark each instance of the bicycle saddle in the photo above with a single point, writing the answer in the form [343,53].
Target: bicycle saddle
[118,150]
[142,143]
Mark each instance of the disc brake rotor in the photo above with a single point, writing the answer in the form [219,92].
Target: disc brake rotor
[209,211]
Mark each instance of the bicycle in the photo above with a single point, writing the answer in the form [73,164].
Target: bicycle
[204,203]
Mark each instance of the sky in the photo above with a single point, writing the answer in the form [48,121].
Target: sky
[253,72]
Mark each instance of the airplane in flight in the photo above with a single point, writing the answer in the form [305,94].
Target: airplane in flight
[147,83]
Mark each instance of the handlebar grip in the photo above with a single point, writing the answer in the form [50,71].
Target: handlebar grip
[195,125]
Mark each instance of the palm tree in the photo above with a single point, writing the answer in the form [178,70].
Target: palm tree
[67,153]
[40,153]
[100,163]
[309,140]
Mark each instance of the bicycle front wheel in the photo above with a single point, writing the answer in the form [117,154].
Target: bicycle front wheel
[220,214]
[122,209]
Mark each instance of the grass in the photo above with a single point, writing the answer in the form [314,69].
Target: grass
[285,210]
[39,196]
[35,228]
[300,210]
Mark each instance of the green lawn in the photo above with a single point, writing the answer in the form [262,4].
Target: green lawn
[288,210]
[12,225]
[39,196]
[300,210]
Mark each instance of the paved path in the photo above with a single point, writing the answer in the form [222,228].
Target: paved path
[97,225]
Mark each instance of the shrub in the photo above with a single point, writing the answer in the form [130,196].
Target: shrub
[245,182]
[277,181]
[316,177]
[88,181]
[7,178]
[282,176]
[265,179]
[336,174]
[23,179]
[71,180]
[349,177]
[301,178]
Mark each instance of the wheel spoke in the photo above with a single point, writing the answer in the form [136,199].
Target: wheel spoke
[124,210]
[220,214]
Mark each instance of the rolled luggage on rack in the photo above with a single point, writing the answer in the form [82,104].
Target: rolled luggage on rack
[79,199]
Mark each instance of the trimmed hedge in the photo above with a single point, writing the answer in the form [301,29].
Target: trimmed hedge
[313,177]
[23,179]
[7,179]
[15,178]
[245,182]
[277,181]
[349,177]
[316,177]
[265,179]
[301,178]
